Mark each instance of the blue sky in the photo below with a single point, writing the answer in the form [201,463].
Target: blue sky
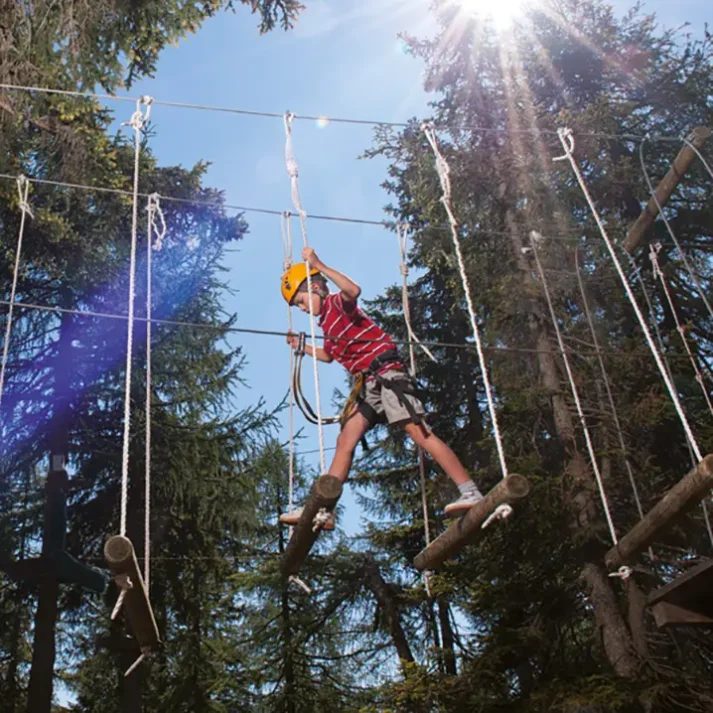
[342,60]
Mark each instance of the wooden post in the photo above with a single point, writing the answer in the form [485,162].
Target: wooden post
[324,494]
[121,559]
[667,186]
[690,490]
[466,529]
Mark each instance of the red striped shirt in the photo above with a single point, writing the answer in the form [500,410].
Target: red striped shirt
[345,327]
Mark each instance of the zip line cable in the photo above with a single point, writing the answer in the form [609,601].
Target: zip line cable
[278,333]
[327,119]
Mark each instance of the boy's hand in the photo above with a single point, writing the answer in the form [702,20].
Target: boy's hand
[293,340]
[310,256]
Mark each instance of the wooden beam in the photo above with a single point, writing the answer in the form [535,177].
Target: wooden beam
[666,614]
[464,530]
[664,190]
[324,494]
[121,559]
[689,491]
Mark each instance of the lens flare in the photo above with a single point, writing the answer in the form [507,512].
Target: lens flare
[502,13]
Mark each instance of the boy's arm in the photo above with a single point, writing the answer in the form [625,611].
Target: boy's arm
[349,289]
[321,354]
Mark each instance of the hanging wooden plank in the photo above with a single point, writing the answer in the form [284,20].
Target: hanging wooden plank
[121,559]
[466,529]
[663,192]
[689,491]
[325,493]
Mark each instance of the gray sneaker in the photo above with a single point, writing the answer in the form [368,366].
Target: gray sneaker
[464,503]
[292,518]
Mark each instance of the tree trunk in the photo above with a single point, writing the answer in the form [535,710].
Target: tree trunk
[390,608]
[39,695]
[448,647]
[39,699]
[616,637]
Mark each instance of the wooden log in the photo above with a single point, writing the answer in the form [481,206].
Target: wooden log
[464,530]
[324,494]
[121,559]
[689,491]
[664,190]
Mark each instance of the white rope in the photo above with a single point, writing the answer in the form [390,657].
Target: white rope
[402,235]
[567,141]
[138,119]
[23,186]
[322,517]
[293,173]
[699,154]
[296,580]
[444,175]
[670,230]
[123,581]
[154,241]
[610,396]
[654,250]
[286,225]
[535,237]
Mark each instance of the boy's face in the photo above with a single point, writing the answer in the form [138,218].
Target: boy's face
[302,300]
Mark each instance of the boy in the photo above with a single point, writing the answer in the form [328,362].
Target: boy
[357,343]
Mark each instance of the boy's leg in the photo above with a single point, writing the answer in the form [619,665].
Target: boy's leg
[347,441]
[448,460]
[439,451]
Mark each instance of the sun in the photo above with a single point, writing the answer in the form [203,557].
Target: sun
[502,13]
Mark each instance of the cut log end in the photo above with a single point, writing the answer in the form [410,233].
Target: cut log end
[517,486]
[327,487]
[118,551]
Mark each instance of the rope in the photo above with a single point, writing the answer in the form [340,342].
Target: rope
[534,238]
[293,173]
[444,175]
[138,119]
[23,186]
[536,131]
[286,227]
[671,233]
[610,396]
[154,231]
[402,235]
[567,141]
[699,154]
[654,251]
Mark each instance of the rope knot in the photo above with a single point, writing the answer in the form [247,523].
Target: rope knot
[403,267]
[622,573]
[139,118]
[154,210]
[567,138]
[321,519]
[23,187]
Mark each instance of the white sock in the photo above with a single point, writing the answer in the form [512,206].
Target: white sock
[468,488]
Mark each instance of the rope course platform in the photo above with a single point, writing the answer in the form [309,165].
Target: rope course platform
[687,600]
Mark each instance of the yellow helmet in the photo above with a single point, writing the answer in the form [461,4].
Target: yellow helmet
[293,278]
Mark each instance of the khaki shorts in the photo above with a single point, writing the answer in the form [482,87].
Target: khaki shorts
[379,404]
